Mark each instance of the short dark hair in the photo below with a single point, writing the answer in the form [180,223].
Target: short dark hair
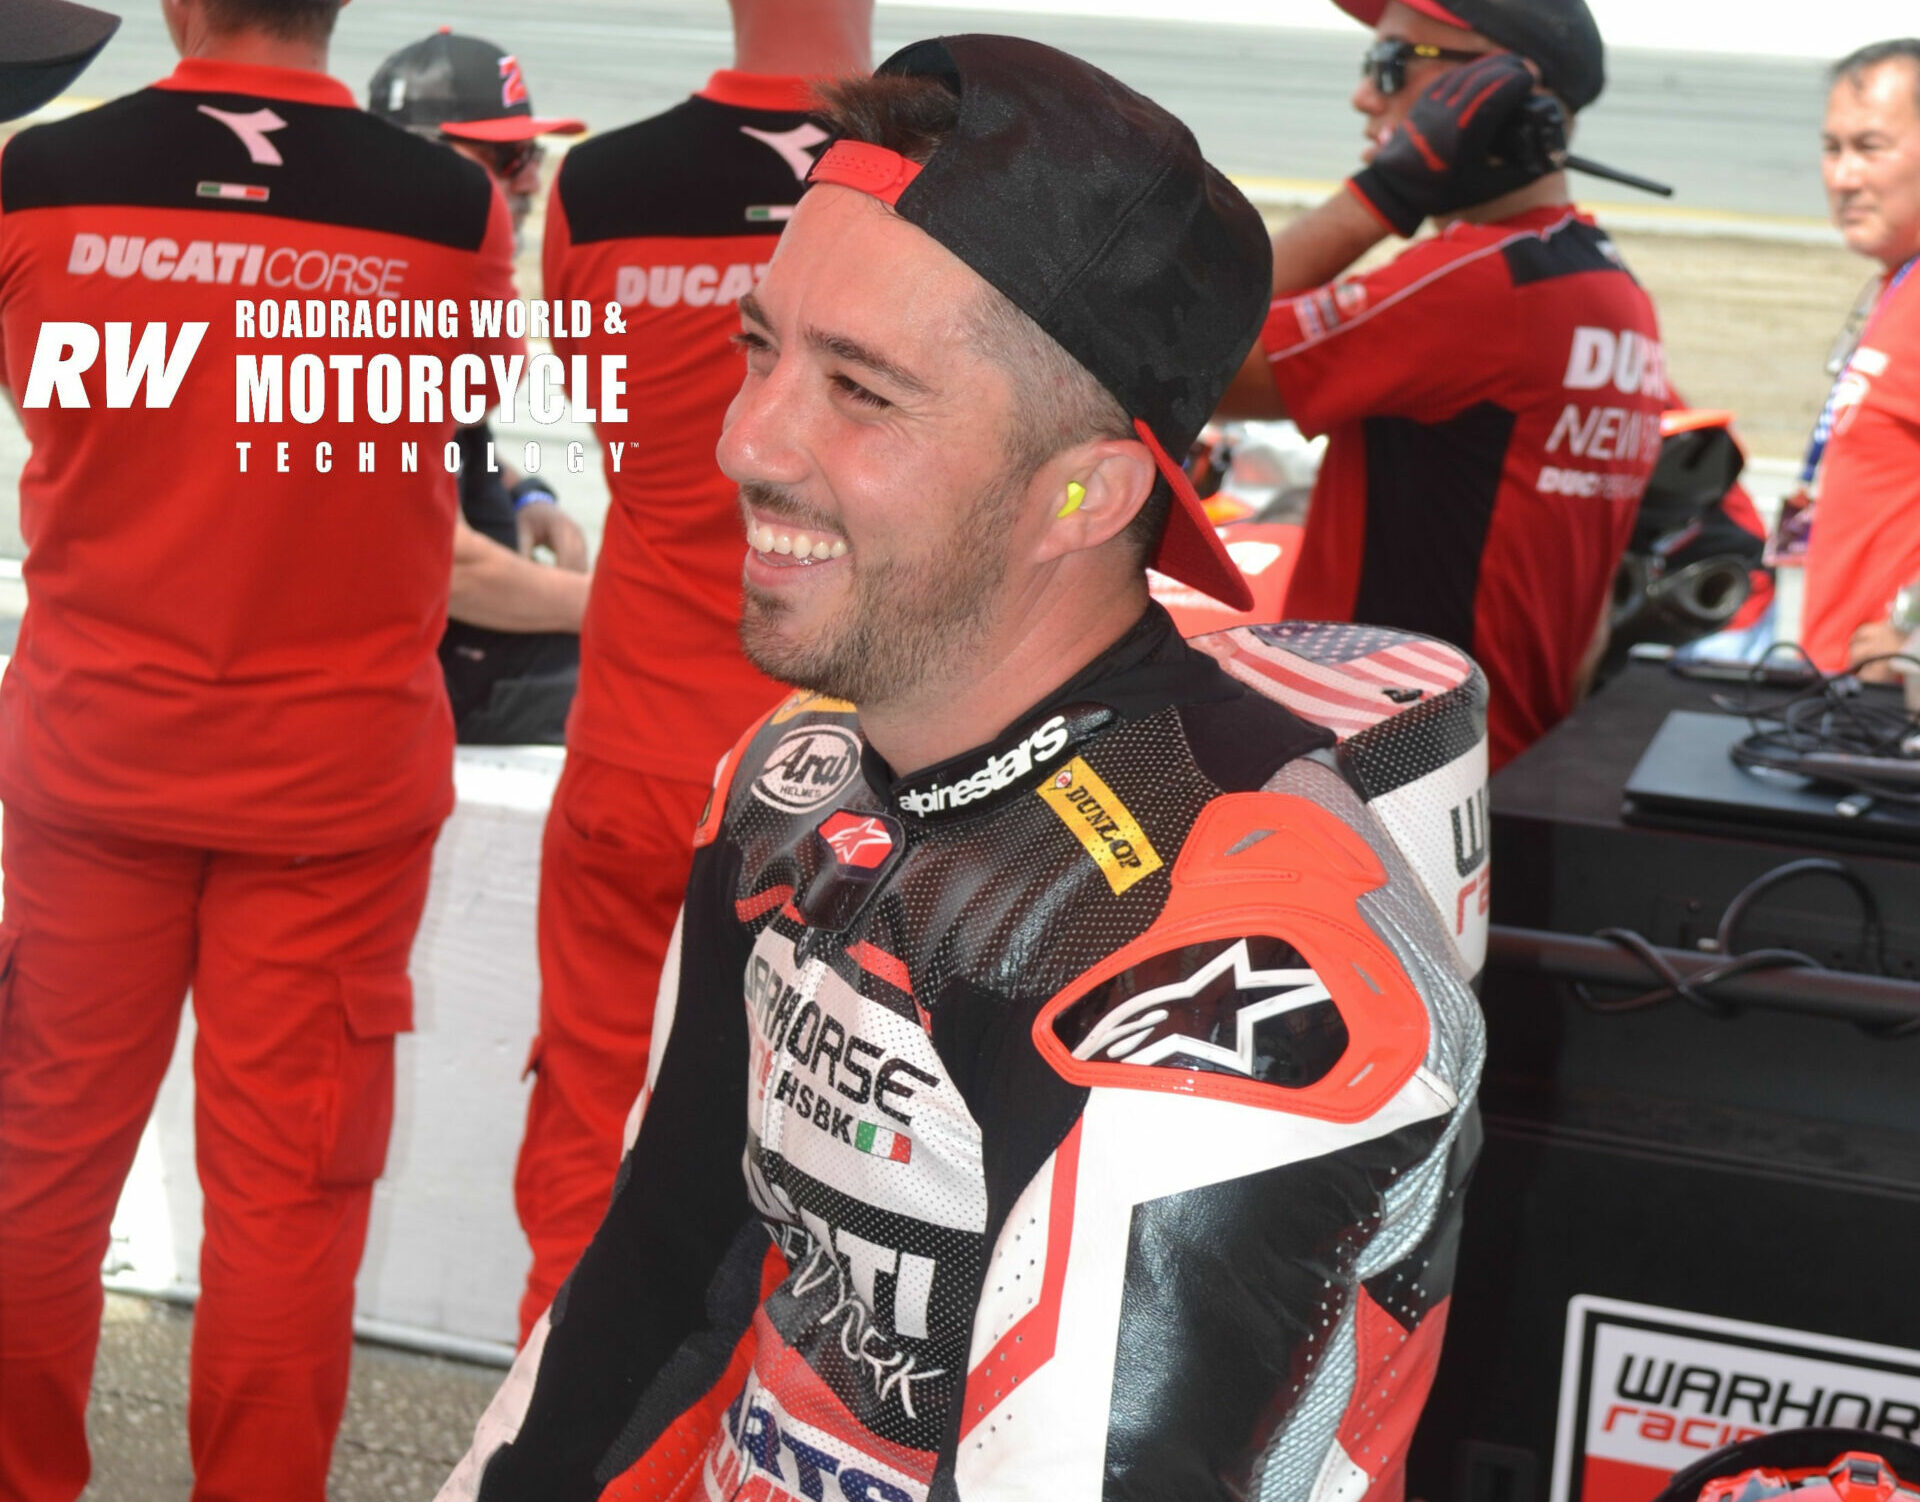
[1058,402]
[1855,66]
[291,20]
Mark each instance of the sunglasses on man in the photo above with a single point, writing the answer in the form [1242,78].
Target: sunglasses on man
[1386,61]
[511,158]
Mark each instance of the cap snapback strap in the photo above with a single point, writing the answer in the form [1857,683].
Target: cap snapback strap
[866,168]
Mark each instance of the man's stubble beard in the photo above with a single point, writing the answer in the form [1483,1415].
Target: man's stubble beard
[906,622]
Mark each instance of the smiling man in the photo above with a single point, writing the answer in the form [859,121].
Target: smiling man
[1063,1082]
[1865,545]
[1491,397]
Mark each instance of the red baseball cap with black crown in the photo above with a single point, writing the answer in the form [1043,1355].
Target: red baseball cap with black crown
[1090,207]
[1559,36]
[460,86]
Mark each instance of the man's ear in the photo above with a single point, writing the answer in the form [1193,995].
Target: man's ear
[1093,490]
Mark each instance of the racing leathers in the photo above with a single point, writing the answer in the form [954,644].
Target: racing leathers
[1085,1116]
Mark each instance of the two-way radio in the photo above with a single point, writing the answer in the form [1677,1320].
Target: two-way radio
[1538,140]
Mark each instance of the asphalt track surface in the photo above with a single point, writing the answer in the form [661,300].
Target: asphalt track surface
[1734,135]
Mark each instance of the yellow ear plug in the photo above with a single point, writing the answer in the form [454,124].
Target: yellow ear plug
[1076,493]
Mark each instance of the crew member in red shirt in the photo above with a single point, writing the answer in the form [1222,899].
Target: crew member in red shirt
[1492,396]
[1865,545]
[224,743]
[674,219]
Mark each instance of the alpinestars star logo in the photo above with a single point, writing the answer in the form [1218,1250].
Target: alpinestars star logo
[1137,1032]
[861,843]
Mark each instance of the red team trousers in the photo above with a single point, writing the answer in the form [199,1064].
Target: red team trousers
[298,967]
[613,872]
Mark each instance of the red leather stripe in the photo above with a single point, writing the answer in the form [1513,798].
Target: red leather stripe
[749,908]
[1028,1346]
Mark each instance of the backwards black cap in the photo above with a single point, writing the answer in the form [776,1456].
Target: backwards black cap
[44,46]
[1090,207]
[1560,36]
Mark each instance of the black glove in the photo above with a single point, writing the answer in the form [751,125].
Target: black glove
[1443,155]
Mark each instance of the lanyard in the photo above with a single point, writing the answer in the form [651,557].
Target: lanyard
[1823,429]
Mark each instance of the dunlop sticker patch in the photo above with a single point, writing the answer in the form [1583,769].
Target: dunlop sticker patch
[1101,822]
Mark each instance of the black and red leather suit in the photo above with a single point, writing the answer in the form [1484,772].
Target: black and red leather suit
[1084,1117]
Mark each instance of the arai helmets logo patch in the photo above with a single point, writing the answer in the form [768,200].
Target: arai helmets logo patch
[807,767]
[859,841]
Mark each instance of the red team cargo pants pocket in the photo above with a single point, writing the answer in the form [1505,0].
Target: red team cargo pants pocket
[375,1008]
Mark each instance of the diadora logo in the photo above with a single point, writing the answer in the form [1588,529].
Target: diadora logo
[253,130]
[993,774]
[807,767]
[795,146]
[860,841]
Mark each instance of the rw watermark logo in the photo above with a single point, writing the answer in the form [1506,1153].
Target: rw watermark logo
[67,351]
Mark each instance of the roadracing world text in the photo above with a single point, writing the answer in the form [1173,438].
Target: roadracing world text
[121,365]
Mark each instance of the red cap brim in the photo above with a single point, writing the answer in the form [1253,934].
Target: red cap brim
[1367,12]
[513,128]
[1190,550]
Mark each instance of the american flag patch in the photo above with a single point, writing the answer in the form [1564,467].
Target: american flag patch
[243,192]
[1348,678]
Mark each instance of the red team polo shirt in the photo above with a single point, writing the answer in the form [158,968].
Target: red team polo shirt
[211,658]
[674,218]
[1492,403]
[1866,532]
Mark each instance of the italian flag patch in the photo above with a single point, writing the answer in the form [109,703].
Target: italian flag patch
[882,1143]
[244,192]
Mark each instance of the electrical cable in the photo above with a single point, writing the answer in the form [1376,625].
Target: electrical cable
[1823,730]
[1697,990]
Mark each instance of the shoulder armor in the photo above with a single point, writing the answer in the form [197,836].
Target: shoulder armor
[1410,714]
[1259,983]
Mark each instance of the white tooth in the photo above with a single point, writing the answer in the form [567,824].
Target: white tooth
[783,544]
[839,549]
[802,544]
[763,539]
[822,550]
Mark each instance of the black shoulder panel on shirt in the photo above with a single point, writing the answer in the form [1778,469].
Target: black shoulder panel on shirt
[693,171]
[157,150]
[1413,575]
[1568,250]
